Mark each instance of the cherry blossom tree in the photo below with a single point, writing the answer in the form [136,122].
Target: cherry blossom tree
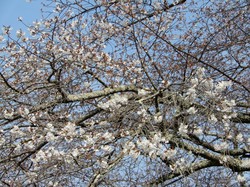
[127,93]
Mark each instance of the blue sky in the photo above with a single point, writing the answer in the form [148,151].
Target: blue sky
[10,10]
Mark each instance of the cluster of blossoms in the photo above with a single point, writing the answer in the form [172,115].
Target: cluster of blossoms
[199,84]
[114,103]
[46,155]
[68,131]
[209,96]
[143,114]
[179,164]
[205,90]
[153,147]
[16,132]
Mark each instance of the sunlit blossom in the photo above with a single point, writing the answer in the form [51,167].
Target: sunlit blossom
[115,102]
[239,137]
[20,18]
[191,110]
[200,73]
[16,131]
[142,92]
[106,148]
[2,141]
[8,114]
[158,118]
[183,129]
[241,178]
[6,30]
[50,136]
[213,119]
[68,130]
[194,81]
[198,131]
[75,152]
[222,85]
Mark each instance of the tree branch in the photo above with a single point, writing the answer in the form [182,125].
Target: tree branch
[223,160]
[101,93]
[185,171]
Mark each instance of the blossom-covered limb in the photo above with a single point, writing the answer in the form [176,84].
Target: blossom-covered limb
[185,171]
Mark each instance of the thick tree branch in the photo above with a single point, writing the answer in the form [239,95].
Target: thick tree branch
[224,160]
[185,171]
[230,152]
[241,118]
[101,93]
